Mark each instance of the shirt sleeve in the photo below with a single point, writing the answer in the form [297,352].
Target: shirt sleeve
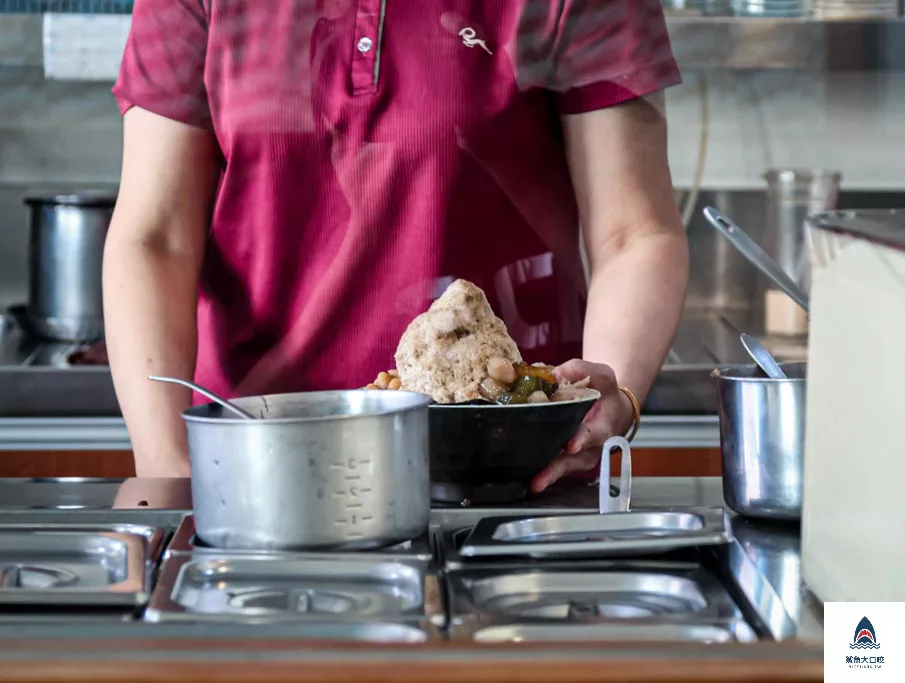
[162,69]
[594,54]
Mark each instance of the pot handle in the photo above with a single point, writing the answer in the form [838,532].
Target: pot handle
[607,502]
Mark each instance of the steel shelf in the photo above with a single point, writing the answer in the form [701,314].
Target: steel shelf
[805,44]
[700,43]
[66,6]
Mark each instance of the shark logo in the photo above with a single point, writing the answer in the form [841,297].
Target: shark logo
[865,636]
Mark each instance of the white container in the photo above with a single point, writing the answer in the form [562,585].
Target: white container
[853,513]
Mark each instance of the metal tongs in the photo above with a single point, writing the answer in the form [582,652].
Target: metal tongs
[621,502]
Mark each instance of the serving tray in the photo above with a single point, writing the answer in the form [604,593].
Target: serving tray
[597,535]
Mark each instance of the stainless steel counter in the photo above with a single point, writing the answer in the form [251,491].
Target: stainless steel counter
[46,405]
[765,559]
[109,433]
[37,383]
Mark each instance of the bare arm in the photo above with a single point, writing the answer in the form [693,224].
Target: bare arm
[152,264]
[636,244]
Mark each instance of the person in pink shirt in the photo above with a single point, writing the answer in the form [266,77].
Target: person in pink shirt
[301,179]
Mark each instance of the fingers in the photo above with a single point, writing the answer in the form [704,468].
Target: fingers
[563,465]
[594,430]
[580,441]
[603,379]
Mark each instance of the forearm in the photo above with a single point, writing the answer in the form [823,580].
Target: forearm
[152,264]
[635,303]
[150,295]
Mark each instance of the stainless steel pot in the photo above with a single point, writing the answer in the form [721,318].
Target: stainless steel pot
[66,249]
[762,429]
[343,469]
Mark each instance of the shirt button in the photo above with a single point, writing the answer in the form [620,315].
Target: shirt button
[365,44]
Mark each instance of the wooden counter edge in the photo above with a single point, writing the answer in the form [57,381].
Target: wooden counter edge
[171,661]
[646,462]
[559,671]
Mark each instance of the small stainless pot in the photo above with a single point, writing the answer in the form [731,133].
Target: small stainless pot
[66,249]
[762,429]
[321,470]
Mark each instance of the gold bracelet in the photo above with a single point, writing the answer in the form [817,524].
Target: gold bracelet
[636,407]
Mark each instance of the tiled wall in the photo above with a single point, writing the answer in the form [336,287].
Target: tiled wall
[59,135]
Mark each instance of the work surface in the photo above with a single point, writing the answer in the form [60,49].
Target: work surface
[767,555]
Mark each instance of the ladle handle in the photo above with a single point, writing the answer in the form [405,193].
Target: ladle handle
[762,357]
[748,248]
[207,394]
[606,502]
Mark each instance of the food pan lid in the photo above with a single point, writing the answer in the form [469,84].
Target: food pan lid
[597,535]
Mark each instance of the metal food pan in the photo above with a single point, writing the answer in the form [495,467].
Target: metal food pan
[590,593]
[448,543]
[58,506]
[80,615]
[183,543]
[596,535]
[281,588]
[665,633]
[73,567]
[154,536]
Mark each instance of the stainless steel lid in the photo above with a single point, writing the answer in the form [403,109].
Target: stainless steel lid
[882,226]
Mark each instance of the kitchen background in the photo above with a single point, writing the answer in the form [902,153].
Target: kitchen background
[759,93]
[57,133]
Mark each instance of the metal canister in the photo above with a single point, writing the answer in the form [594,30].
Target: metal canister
[762,430]
[319,470]
[66,249]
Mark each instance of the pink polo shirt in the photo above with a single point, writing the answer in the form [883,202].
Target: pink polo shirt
[375,150]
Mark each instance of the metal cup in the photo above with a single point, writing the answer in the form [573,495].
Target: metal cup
[762,430]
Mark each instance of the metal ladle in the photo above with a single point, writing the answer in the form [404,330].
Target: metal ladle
[762,357]
[207,393]
[748,248]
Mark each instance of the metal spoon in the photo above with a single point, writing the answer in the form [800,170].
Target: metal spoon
[757,256]
[762,357]
[207,393]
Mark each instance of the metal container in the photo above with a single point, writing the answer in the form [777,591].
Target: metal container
[66,248]
[68,567]
[640,600]
[792,196]
[321,470]
[762,427]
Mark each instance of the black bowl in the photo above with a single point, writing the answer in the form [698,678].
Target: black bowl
[489,453]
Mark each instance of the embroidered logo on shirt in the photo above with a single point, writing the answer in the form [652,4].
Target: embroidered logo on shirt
[470,39]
